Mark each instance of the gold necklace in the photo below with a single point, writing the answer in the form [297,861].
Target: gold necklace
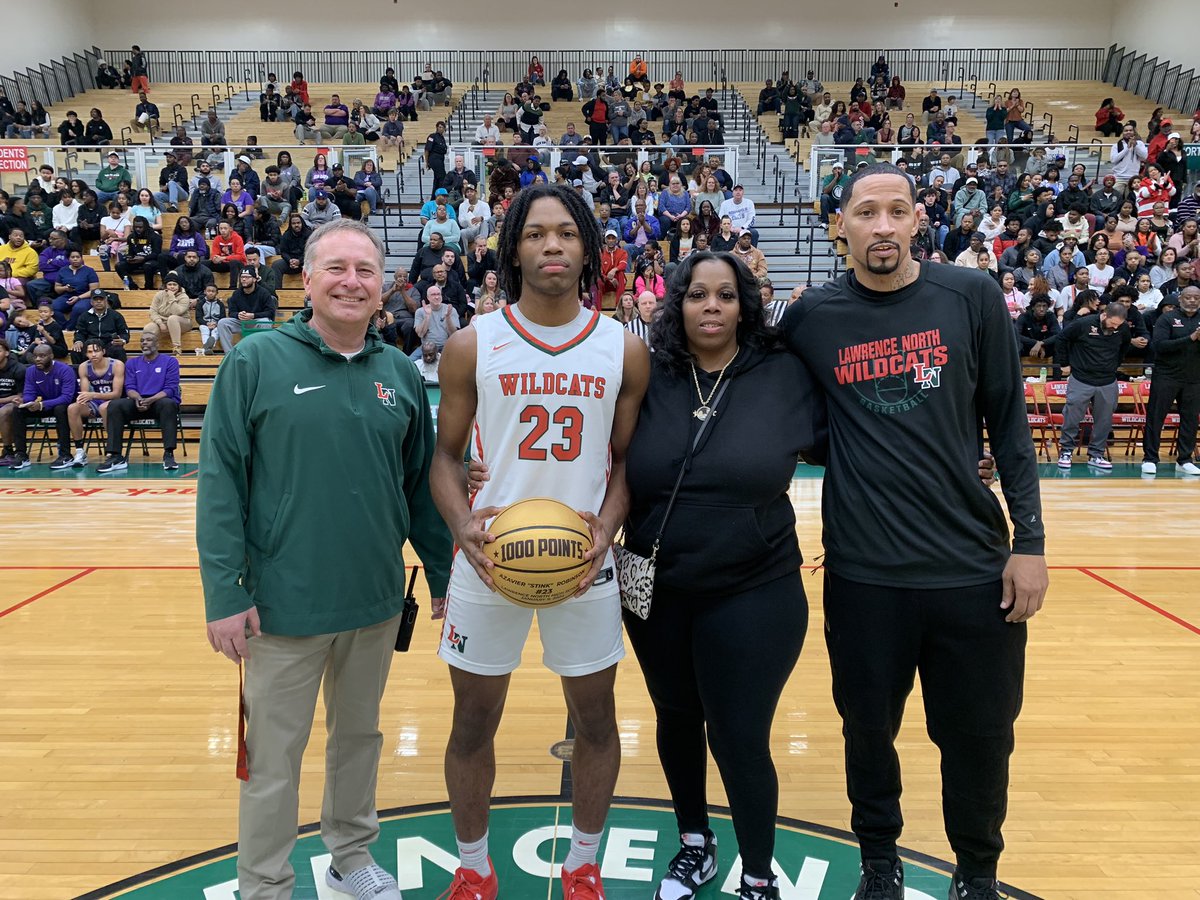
[705,409]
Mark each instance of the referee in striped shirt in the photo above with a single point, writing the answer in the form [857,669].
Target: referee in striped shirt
[647,307]
[773,309]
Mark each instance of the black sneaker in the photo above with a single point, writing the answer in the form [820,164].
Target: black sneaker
[768,891]
[20,461]
[882,879]
[169,464]
[63,462]
[691,868]
[114,463]
[974,889]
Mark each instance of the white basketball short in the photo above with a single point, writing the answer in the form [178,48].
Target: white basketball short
[485,634]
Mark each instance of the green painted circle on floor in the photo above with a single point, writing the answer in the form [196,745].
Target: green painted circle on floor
[526,838]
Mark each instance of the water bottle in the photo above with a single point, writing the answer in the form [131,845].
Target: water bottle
[1042,375]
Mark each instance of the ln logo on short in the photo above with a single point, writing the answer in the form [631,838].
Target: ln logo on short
[528,843]
[456,640]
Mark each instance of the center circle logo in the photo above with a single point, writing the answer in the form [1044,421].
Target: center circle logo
[529,839]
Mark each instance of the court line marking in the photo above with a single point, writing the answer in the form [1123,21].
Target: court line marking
[47,591]
[1146,603]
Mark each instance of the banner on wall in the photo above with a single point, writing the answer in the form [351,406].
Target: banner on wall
[1192,153]
[14,159]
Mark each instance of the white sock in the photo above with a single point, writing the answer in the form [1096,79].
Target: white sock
[583,849]
[474,856]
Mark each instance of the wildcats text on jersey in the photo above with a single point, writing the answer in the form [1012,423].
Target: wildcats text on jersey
[558,384]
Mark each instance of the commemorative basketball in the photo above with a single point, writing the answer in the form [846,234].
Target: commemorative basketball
[538,552]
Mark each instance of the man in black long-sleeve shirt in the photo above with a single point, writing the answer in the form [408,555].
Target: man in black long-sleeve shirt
[919,575]
[103,323]
[1176,381]
[291,247]
[1090,350]
[250,303]
[1037,328]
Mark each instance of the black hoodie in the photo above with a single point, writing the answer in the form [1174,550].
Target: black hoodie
[733,526]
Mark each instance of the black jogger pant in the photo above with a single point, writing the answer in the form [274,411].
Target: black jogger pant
[1165,392]
[719,666]
[972,666]
[62,428]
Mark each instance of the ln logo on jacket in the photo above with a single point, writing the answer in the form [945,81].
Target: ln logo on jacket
[386,395]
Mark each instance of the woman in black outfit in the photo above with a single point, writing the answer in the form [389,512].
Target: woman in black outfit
[435,157]
[729,612]
[560,88]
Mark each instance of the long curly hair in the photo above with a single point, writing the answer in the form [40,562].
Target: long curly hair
[514,223]
[668,340]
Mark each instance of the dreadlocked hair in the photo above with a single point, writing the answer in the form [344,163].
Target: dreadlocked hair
[509,269]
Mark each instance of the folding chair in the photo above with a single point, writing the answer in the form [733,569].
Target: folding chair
[141,426]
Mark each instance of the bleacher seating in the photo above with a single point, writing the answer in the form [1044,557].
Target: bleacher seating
[1071,104]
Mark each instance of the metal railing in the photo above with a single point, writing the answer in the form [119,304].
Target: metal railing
[606,156]
[920,159]
[701,67]
[1170,86]
[144,160]
[54,82]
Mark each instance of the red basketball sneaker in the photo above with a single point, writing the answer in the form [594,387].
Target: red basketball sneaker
[583,884]
[470,885]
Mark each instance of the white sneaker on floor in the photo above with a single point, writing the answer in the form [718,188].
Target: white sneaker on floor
[1099,462]
[1149,468]
[1064,460]
[1187,468]
[368,883]
[79,459]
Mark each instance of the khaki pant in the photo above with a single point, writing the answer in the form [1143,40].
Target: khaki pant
[283,675]
[176,327]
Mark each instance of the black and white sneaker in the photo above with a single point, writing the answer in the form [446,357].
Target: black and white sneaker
[694,865]
[975,889]
[768,891]
[169,464]
[20,461]
[114,463]
[882,879]
[63,462]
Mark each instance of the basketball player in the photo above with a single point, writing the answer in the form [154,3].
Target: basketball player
[553,390]
[919,575]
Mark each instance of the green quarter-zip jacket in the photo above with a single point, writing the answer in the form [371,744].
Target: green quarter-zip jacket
[314,472]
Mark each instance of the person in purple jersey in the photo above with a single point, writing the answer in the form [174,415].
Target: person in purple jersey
[151,391]
[49,390]
[101,380]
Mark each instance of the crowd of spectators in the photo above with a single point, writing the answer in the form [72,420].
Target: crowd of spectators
[1014,211]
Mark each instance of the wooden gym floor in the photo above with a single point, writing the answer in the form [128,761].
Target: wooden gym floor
[118,724]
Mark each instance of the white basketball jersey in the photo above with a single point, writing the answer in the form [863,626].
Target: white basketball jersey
[546,401]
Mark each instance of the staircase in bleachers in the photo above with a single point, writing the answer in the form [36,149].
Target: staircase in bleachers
[765,169]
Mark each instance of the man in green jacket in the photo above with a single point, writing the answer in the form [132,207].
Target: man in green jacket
[317,443]
[108,179]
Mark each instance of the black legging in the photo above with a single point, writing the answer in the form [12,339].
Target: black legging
[972,667]
[719,666]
